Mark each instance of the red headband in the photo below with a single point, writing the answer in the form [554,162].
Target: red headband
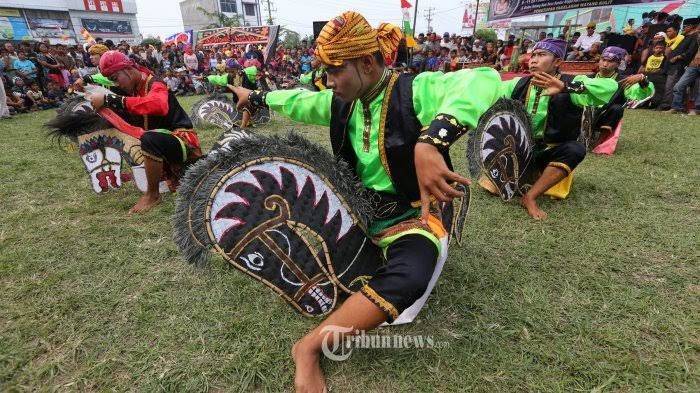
[113,61]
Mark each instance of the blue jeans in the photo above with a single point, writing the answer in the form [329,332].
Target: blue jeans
[687,79]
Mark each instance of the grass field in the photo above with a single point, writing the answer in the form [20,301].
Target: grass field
[602,296]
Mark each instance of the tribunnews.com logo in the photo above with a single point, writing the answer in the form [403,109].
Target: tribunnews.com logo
[339,342]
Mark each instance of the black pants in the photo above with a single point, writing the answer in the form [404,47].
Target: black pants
[674,74]
[164,147]
[610,117]
[410,264]
[565,155]
[659,81]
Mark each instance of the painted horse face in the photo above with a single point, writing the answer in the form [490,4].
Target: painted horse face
[280,222]
[217,111]
[501,150]
[102,158]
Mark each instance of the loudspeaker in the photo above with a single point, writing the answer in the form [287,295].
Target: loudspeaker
[318,26]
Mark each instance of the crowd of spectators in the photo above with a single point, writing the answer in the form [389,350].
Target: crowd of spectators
[36,75]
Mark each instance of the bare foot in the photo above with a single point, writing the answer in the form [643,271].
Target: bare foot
[532,209]
[308,377]
[145,203]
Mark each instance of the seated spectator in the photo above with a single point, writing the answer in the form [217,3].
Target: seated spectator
[25,68]
[54,93]
[592,54]
[172,82]
[19,90]
[584,42]
[37,97]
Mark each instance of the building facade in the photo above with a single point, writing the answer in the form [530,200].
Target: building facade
[194,19]
[62,21]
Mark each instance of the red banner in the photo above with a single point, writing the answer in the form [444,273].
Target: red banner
[256,35]
[103,5]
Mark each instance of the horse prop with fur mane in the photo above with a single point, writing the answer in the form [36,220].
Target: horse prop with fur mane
[500,150]
[104,142]
[284,211]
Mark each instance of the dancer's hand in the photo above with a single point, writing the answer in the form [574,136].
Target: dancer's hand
[242,94]
[631,80]
[550,83]
[97,100]
[434,178]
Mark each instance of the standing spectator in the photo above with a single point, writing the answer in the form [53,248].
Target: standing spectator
[10,50]
[447,42]
[4,110]
[305,61]
[50,67]
[678,55]
[691,72]
[490,56]
[191,61]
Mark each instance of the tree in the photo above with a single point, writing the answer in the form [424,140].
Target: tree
[152,41]
[220,19]
[289,38]
[488,35]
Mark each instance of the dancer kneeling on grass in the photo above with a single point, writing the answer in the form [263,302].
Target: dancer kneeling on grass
[170,142]
[555,103]
[634,88]
[395,131]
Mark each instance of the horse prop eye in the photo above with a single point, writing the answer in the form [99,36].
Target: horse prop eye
[254,261]
[91,157]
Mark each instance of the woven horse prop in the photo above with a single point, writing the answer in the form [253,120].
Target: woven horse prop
[282,210]
[105,141]
[500,150]
[215,109]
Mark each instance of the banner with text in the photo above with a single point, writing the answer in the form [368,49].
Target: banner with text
[503,9]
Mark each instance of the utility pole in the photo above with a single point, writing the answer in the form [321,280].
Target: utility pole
[269,10]
[429,18]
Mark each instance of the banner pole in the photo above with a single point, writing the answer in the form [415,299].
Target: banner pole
[476,18]
[415,15]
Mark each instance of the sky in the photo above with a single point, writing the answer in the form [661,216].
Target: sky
[162,17]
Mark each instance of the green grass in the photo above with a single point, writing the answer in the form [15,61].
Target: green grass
[602,296]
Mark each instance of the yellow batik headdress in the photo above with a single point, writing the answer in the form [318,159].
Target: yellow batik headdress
[349,36]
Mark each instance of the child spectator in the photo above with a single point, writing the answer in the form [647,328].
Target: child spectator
[37,98]
[54,93]
[24,67]
[171,81]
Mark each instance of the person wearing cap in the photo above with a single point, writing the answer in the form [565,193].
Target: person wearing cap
[395,131]
[690,57]
[680,50]
[634,88]
[170,143]
[556,104]
[585,41]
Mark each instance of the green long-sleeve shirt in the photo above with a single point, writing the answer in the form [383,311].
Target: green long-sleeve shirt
[598,92]
[101,80]
[635,92]
[638,93]
[464,94]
